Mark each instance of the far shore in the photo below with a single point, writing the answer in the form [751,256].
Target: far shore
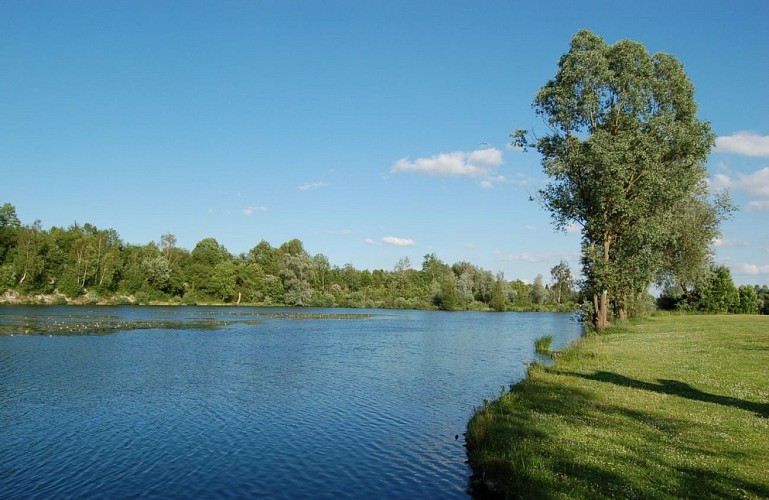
[13,298]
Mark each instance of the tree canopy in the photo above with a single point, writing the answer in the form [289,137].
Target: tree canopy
[625,153]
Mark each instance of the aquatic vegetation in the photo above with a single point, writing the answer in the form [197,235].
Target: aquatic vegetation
[542,344]
[85,323]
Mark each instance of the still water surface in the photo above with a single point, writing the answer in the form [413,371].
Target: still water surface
[268,405]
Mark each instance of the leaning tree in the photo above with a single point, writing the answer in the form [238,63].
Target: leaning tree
[624,150]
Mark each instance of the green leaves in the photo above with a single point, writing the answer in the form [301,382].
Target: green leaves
[625,151]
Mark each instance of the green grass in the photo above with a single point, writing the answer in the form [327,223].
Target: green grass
[675,407]
[542,344]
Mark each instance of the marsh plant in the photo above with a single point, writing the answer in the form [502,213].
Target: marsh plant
[543,344]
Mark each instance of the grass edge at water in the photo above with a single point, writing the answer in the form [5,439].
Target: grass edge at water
[672,407]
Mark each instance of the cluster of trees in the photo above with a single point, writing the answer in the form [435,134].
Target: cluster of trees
[84,260]
[717,294]
[625,153]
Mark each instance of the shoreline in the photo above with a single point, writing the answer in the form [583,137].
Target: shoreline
[13,298]
[675,406]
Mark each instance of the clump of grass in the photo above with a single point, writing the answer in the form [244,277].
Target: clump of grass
[542,344]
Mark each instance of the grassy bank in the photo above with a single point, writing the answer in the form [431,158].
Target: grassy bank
[675,407]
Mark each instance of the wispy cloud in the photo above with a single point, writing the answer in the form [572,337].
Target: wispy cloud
[756,184]
[369,241]
[528,257]
[758,205]
[744,143]
[724,243]
[478,163]
[752,269]
[249,211]
[312,185]
[399,242]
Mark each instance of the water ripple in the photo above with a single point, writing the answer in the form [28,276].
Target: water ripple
[282,409]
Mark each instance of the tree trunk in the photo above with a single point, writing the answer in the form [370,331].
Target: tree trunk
[602,304]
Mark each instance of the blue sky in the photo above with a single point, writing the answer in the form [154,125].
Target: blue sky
[370,130]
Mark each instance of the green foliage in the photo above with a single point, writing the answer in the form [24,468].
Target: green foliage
[718,294]
[749,302]
[499,296]
[562,281]
[543,344]
[93,265]
[9,223]
[625,154]
[763,298]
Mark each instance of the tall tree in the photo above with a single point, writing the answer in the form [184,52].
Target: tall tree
[29,260]
[562,280]
[9,224]
[624,148]
[538,291]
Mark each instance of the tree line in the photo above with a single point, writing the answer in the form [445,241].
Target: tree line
[96,265]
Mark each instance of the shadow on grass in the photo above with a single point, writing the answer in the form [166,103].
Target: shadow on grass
[517,447]
[677,388]
[510,447]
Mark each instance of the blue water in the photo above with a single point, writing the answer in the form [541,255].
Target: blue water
[275,407]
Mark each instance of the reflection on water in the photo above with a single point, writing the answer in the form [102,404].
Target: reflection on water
[343,403]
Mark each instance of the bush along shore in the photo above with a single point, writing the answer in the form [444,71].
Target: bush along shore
[673,407]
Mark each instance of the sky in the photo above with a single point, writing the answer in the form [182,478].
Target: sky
[369,130]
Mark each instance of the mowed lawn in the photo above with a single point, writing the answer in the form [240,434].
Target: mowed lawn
[671,407]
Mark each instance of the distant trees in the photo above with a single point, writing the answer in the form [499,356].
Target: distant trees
[625,155]
[562,281]
[716,293]
[85,261]
[81,260]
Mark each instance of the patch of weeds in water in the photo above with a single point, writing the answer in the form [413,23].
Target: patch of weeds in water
[543,344]
[101,326]
[302,315]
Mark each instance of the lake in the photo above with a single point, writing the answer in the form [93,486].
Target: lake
[194,402]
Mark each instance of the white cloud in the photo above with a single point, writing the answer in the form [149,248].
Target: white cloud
[720,182]
[753,269]
[486,184]
[758,205]
[249,211]
[399,242]
[368,241]
[530,227]
[487,156]
[478,163]
[312,185]
[573,229]
[744,143]
[756,184]
[469,246]
[723,243]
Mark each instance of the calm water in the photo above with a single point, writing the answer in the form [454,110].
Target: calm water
[267,406]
